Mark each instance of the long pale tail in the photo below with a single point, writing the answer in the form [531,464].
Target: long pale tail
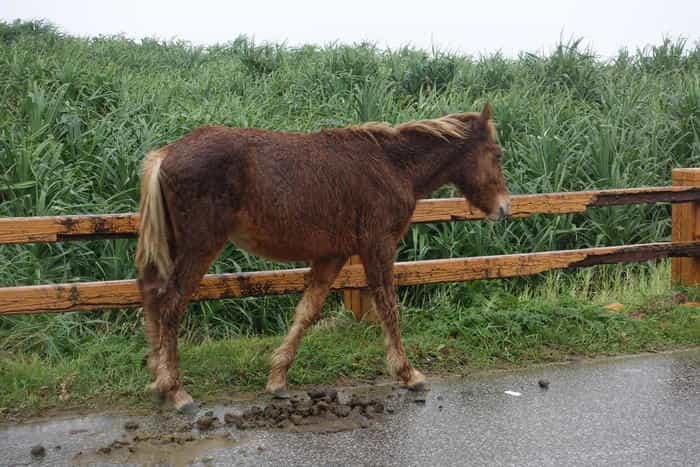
[152,245]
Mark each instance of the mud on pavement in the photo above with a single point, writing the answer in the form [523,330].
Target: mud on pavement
[175,439]
[321,411]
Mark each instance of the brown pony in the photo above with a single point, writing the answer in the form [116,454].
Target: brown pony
[318,197]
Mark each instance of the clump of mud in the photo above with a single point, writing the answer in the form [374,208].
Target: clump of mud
[38,451]
[322,411]
[207,422]
[131,426]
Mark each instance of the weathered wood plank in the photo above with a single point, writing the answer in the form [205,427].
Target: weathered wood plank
[59,228]
[124,293]
[82,227]
[685,220]
[450,209]
[360,302]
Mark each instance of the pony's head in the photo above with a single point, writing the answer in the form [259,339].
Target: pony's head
[478,174]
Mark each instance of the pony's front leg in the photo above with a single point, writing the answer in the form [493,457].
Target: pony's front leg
[379,266]
[323,273]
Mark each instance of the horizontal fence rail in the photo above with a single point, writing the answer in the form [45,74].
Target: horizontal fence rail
[124,293]
[93,227]
[83,296]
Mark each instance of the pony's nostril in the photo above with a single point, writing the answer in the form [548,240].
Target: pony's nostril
[502,211]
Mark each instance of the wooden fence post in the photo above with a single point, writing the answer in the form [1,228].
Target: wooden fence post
[685,222]
[359,302]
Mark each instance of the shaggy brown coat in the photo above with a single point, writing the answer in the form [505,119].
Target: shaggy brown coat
[318,197]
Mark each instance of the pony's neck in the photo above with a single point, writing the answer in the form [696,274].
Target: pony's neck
[426,161]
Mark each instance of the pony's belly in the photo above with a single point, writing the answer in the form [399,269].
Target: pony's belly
[281,249]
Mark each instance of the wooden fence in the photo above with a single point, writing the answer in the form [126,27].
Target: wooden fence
[684,248]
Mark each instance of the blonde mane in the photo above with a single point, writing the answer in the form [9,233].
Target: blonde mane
[449,126]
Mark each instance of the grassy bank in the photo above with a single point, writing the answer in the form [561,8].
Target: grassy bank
[561,318]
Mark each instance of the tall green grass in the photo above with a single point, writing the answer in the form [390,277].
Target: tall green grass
[77,115]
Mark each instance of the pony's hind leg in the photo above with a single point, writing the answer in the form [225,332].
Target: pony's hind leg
[190,265]
[152,288]
[323,273]
[378,260]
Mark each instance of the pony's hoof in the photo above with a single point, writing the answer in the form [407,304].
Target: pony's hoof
[183,403]
[417,382]
[157,396]
[189,408]
[420,386]
[280,393]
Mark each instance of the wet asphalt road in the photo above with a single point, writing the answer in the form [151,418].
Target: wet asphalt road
[642,410]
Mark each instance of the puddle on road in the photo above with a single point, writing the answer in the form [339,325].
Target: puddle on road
[170,450]
[167,438]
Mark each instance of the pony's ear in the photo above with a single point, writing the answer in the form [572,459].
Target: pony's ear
[486,113]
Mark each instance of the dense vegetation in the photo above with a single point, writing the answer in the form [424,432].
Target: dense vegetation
[77,115]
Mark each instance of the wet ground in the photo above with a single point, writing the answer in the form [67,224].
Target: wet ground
[642,410]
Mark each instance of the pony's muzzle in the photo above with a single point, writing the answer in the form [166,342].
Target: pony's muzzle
[503,209]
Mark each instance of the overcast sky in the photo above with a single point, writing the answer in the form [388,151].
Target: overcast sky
[470,27]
